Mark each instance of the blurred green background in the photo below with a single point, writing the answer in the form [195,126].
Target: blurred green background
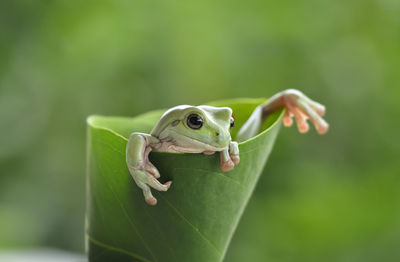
[321,198]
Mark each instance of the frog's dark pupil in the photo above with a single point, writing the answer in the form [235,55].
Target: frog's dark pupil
[195,121]
[232,123]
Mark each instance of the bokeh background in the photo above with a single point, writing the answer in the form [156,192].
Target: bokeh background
[321,198]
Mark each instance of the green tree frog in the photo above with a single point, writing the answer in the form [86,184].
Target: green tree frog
[206,129]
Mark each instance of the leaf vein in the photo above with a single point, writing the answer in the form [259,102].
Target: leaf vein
[117,249]
[195,229]
[161,233]
[130,220]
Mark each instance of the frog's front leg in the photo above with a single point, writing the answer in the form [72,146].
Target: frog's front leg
[297,105]
[230,157]
[142,170]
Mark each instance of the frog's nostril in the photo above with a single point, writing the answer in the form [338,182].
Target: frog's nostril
[216,133]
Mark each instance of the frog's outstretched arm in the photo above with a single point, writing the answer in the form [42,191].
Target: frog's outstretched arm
[142,170]
[296,103]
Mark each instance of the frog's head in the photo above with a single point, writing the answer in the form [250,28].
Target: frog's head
[196,128]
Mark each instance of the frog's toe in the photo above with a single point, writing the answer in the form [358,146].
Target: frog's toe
[234,152]
[146,180]
[287,119]
[320,124]
[227,165]
[154,183]
[150,168]
[150,199]
[235,158]
[322,127]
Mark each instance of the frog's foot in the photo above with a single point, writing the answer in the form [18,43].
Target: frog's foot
[230,157]
[146,177]
[143,172]
[302,108]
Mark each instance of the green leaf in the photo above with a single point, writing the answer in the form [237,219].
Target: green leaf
[195,219]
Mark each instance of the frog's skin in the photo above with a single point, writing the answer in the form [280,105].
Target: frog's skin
[205,129]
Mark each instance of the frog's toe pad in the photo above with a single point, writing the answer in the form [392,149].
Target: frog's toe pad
[227,165]
[235,158]
[152,201]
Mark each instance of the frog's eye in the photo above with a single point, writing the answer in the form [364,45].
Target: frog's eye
[232,123]
[195,121]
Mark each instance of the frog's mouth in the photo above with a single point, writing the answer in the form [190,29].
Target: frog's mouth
[210,147]
[196,145]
